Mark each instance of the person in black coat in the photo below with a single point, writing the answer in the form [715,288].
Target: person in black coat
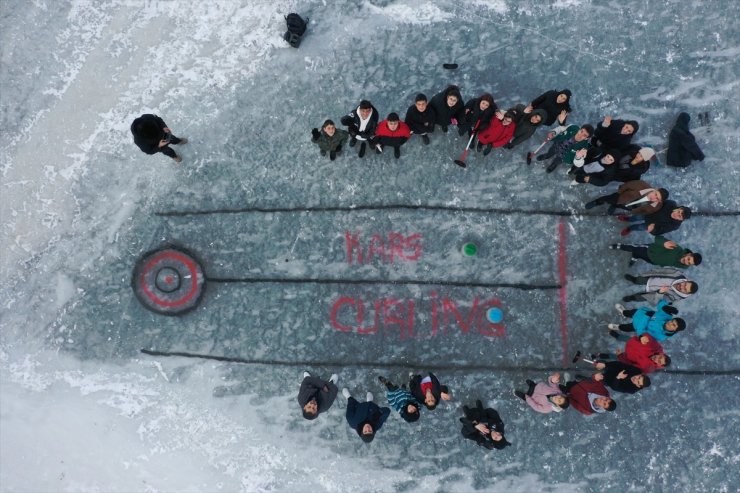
[526,124]
[682,146]
[555,103]
[152,135]
[316,395]
[600,172]
[484,427]
[668,218]
[361,123]
[634,163]
[477,115]
[428,390]
[420,117]
[614,134]
[366,418]
[621,377]
[448,107]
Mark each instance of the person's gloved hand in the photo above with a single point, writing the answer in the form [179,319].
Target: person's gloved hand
[315,134]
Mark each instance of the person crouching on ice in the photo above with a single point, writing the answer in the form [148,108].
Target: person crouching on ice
[590,396]
[330,139]
[498,133]
[391,132]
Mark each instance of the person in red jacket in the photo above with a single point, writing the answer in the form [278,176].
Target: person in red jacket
[391,132]
[590,396]
[645,353]
[498,133]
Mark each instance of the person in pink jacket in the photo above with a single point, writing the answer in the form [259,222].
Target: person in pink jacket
[498,133]
[545,397]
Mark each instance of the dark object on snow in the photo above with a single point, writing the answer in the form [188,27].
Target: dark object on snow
[449,66]
[682,147]
[296,29]
[168,281]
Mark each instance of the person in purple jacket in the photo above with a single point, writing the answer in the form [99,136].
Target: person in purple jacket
[545,397]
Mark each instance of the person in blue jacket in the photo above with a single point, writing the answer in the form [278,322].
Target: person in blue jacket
[659,323]
[366,418]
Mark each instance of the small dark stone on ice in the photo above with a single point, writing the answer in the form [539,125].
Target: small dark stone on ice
[449,66]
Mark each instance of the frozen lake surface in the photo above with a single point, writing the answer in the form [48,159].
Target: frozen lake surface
[351,266]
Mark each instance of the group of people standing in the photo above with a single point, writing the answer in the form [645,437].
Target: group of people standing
[596,156]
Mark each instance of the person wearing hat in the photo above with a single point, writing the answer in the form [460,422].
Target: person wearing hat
[361,123]
[316,395]
[498,133]
[637,197]
[555,103]
[391,132]
[420,118]
[330,140]
[448,106]
[545,397]
[668,218]
[152,135]
[659,323]
[569,145]
[526,124]
[477,114]
[662,252]
[598,172]
[366,418]
[634,163]
[401,400]
[662,284]
[484,427]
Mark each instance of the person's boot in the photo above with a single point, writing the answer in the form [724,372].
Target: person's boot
[397,152]
[520,394]
[183,140]
[322,152]
[444,128]
[488,149]
[306,374]
[620,308]
[630,278]
[378,149]
[383,380]
[425,139]
[352,142]
[630,297]
[614,333]
[612,327]
[334,378]
[332,155]
[362,150]
[339,150]
[479,146]
[369,397]
[593,203]
[345,393]
[615,246]
[177,158]
[551,167]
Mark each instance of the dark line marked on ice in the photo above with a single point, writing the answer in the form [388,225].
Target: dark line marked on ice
[462,284]
[540,212]
[563,295]
[405,365]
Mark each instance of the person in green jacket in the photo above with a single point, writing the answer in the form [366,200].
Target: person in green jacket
[330,139]
[569,145]
[662,252]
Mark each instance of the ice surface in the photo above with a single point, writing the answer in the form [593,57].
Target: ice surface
[81,409]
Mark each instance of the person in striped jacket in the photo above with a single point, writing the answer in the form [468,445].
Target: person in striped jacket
[401,400]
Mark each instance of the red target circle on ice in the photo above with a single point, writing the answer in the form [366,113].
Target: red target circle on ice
[169,281]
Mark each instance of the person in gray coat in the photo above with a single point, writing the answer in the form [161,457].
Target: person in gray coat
[662,284]
[317,395]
